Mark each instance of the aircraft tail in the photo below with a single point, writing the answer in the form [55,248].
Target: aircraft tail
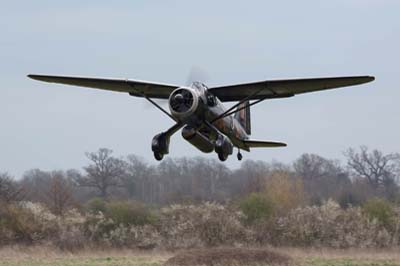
[243,116]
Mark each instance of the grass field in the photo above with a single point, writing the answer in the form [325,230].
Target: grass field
[17,256]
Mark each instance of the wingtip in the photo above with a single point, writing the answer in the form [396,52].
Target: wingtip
[37,77]
[366,79]
[32,76]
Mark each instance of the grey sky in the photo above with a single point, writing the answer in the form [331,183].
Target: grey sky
[50,126]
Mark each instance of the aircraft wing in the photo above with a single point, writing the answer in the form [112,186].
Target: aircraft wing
[133,87]
[284,88]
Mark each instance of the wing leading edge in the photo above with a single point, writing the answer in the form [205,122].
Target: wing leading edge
[254,90]
[133,87]
[284,88]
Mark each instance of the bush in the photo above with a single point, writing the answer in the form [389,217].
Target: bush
[102,231]
[284,191]
[329,225]
[27,222]
[381,210]
[256,207]
[196,226]
[96,205]
[129,213]
[207,224]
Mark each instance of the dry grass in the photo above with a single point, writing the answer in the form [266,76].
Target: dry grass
[46,256]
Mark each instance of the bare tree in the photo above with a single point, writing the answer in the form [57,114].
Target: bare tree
[9,189]
[59,194]
[253,174]
[378,168]
[104,172]
[322,178]
[313,166]
[35,183]
[208,178]
[136,172]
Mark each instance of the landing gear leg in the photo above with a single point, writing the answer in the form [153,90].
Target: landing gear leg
[160,143]
[239,155]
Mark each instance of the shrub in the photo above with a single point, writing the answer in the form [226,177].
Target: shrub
[284,191]
[96,205]
[381,210]
[208,224]
[196,226]
[329,225]
[28,222]
[129,213]
[255,207]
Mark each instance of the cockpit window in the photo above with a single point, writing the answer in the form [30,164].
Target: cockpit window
[197,85]
[200,86]
[211,101]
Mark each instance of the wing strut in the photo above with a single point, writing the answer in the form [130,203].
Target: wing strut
[153,103]
[159,107]
[232,110]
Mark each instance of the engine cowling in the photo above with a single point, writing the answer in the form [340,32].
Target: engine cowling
[183,102]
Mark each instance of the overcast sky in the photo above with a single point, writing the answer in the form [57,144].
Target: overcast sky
[50,126]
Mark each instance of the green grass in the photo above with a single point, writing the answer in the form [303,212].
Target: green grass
[87,261]
[148,261]
[42,256]
[316,261]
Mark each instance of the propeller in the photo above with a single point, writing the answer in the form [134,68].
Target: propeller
[196,73]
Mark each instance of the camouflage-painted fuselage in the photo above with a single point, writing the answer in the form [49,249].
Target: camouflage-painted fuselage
[203,117]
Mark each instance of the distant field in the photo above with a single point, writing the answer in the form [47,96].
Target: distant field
[48,257]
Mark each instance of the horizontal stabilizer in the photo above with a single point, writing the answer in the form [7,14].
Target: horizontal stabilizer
[263,144]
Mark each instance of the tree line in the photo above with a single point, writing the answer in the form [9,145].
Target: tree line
[365,174]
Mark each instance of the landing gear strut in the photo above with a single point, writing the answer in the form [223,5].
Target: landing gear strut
[160,142]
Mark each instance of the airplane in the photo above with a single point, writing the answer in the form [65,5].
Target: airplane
[199,111]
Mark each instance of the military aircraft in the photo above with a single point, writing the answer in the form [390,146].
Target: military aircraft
[205,121]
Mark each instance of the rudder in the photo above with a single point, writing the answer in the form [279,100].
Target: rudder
[243,116]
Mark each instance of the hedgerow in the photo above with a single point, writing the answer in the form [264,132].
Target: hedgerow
[193,226]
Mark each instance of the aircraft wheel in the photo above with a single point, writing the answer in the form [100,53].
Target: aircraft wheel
[222,157]
[158,156]
[239,156]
